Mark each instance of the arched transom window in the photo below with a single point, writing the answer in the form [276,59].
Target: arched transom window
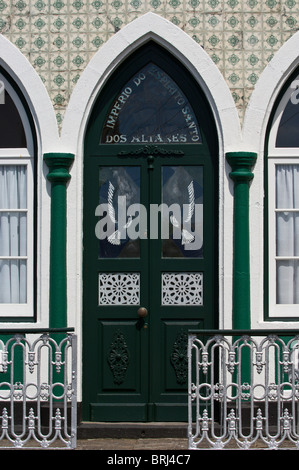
[151,108]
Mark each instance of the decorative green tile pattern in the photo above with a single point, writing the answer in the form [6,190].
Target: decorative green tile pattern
[59,37]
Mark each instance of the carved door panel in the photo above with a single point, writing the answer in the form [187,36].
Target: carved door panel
[149,245]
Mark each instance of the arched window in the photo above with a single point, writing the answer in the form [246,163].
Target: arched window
[16,205]
[151,108]
[282,172]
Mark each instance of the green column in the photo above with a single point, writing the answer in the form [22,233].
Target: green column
[59,164]
[241,163]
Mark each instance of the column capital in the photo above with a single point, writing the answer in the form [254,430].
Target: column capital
[59,165]
[241,163]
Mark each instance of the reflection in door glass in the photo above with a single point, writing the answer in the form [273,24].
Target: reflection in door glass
[150,108]
[182,219]
[119,191]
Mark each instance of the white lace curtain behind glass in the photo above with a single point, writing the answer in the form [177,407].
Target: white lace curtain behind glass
[13,233]
[287,233]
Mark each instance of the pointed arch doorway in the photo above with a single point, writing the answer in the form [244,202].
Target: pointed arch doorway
[150,238]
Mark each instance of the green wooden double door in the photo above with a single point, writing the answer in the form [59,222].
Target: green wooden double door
[150,240]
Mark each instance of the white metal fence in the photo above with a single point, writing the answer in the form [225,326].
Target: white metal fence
[243,390]
[38,389]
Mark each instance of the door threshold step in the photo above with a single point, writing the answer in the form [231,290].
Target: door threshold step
[124,430]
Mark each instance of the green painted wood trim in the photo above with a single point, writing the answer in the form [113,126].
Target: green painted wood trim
[58,164]
[241,164]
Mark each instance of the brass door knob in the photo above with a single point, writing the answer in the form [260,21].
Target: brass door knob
[142,312]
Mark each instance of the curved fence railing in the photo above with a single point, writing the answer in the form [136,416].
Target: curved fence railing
[38,389]
[243,389]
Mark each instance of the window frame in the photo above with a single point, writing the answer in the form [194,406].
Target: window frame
[25,157]
[275,156]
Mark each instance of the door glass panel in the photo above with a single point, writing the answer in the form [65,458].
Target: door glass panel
[182,211]
[151,108]
[119,197]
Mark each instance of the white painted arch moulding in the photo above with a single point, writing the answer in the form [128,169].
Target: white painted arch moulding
[150,27]
[265,93]
[25,76]
[88,88]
